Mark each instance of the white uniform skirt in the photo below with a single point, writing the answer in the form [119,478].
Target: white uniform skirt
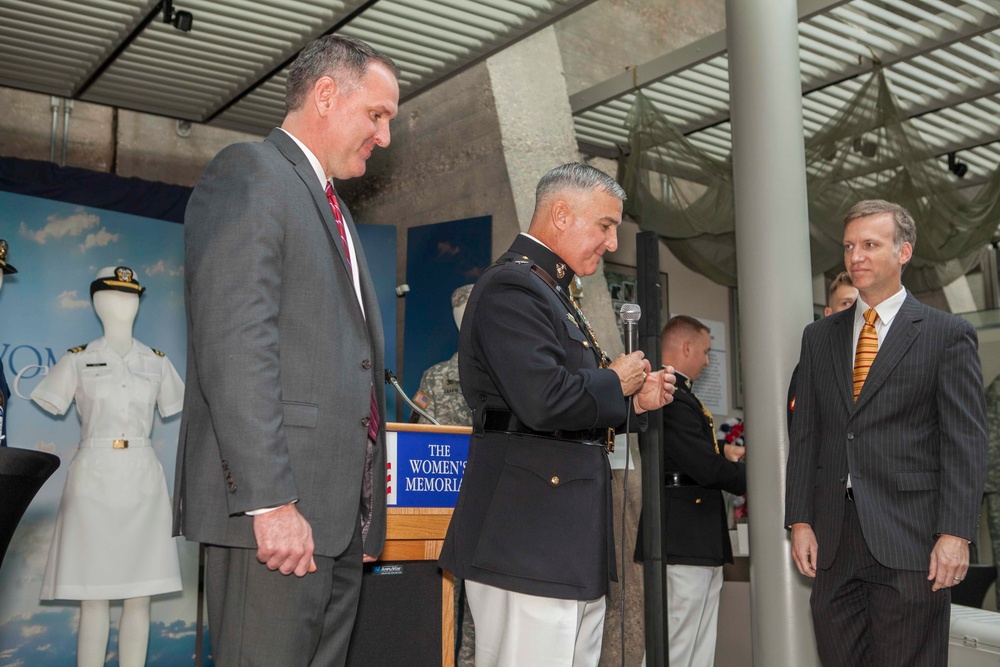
[112,537]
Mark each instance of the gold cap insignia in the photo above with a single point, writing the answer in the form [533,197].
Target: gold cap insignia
[121,279]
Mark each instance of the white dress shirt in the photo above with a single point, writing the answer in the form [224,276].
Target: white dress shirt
[886,310]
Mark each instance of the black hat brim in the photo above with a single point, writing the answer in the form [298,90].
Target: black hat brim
[102,284]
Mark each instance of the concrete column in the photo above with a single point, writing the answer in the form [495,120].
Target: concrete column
[959,296]
[772,243]
[536,130]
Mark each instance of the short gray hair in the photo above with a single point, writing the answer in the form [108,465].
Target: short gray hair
[343,59]
[576,176]
[904,227]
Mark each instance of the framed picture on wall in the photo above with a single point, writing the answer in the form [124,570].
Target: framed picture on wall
[624,289]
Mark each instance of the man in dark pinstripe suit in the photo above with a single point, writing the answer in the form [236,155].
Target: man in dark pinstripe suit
[884,487]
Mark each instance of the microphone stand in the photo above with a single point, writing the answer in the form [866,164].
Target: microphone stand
[391,379]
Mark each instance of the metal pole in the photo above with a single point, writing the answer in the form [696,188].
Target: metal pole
[772,242]
[67,110]
[54,101]
[651,447]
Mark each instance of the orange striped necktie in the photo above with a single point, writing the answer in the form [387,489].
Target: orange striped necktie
[867,349]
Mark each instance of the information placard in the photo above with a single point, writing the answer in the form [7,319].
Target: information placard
[424,469]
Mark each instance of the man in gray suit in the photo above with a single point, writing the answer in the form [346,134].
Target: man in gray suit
[281,457]
[885,470]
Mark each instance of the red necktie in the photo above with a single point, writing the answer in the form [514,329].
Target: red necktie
[339,217]
[373,420]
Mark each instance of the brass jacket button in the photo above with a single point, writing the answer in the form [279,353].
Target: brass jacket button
[554,480]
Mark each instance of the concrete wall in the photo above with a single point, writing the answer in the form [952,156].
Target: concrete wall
[445,162]
[150,147]
[600,40]
[110,140]
[26,130]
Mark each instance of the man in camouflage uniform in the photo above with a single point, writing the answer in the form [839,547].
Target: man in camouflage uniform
[992,489]
[441,396]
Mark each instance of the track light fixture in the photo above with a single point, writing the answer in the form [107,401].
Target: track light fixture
[179,19]
[865,147]
[960,169]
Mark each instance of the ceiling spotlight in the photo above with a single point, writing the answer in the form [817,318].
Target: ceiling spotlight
[866,148]
[179,19]
[960,169]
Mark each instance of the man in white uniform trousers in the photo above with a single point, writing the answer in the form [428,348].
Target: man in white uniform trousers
[112,537]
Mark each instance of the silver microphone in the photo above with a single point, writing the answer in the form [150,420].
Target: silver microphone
[630,314]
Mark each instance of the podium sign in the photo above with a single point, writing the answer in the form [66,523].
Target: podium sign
[424,468]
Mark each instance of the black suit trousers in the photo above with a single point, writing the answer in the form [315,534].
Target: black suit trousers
[869,615]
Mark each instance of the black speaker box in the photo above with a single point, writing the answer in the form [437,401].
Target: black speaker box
[399,616]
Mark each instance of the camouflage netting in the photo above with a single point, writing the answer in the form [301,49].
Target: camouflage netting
[869,150]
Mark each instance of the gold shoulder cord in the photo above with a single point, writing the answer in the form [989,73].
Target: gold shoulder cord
[603,360]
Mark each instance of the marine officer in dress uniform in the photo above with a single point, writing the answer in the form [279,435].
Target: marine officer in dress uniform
[112,536]
[697,470]
[531,533]
[5,268]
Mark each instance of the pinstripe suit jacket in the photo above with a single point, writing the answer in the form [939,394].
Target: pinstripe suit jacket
[914,443]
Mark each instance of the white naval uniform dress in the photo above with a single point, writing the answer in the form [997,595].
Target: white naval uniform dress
[112,538]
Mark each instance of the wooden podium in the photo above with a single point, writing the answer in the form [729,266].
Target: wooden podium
[417,533]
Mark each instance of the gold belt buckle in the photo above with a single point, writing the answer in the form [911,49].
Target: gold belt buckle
[611,441]
[119,444]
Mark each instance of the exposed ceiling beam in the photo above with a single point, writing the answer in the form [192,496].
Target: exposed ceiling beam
[596,150]
[213,115]
[110,58]
[715,45]
[986,24]
[676,61]
[968,94]
[541,26]
[695,176]
[225,106]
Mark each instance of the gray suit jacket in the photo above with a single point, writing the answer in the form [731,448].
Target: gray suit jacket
[914,443]
[280,359]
